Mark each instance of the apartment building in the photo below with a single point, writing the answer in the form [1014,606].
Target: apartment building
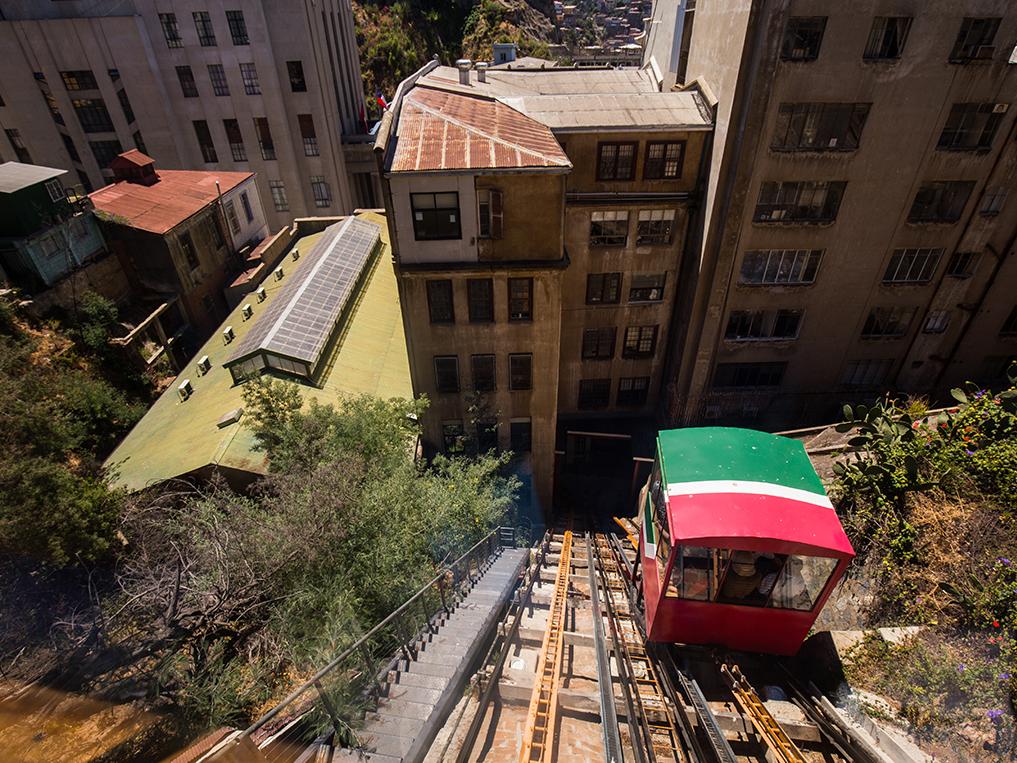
[538,221]
[241,86]
[860,216]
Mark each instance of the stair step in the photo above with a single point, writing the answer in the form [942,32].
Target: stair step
[387,744]
[442,669]
[342,755]
[413,694]
[403,708]
[420,680]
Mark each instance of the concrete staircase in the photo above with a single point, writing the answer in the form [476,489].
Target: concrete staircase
[421,693]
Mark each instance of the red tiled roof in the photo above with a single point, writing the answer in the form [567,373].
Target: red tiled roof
[163,205]
[441,130]
[135,157]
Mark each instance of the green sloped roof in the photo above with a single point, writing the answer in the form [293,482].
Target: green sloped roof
[703,454]
[179,437]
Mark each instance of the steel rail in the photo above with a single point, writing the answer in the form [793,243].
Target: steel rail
[608,710]
[769,730]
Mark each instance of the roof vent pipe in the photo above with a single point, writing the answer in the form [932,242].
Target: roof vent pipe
[463,65]
[481,71]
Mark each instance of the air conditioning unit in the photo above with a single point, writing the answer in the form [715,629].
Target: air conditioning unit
[204,365]
[228,335]
[278,273]
[295,253]
[1000,108]
[184,389]
[247,311]
[261,293]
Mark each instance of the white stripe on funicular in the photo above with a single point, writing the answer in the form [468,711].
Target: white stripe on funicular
[750,488]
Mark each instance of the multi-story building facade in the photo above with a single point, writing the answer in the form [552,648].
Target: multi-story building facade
[271,88]
[860,219]
[538,221]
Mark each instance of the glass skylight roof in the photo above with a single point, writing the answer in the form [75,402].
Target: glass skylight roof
[299,322]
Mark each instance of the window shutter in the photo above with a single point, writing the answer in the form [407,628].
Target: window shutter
[496,213]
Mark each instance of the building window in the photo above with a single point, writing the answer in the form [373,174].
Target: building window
[992,201]
[322,193]
[487,435]
[866,374]
[887,322]
[819,126]
[295,70]
[236,140]
[20,150]
[780,267]
[521,435]
[265,143]
[655,226]
[803,38]
[279,200]
[912,266]
[480,299]
[664,161]
[1009,327]
[446,373]
[105,151]
[815,201]
[453,438]
[616,161]
[231,216]
[729,375]
[245,202]
[483,373]
[205,141]
[72,150]
[609,228]
[632,391]
[598,343]
[55,190]
[936,322]
[489,212]
[520,299]
[92,114]
[170,30]
[439,301]
[125,105]
[217,75]
[941,201]
[435,216]
[647,287]
[971,126]
[187,247]
[520,371]
[963,264]
[238,27]
[640,342]
[307,133]
[79,79]
[887,39]
[594,393]
[187,83]
[138,142]
[203,23]
[743,325]
[249,74]
[603,288]
[974,40]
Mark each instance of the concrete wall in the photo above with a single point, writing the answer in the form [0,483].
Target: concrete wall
[531,201]
[255,230]
[463,249]
[104,276]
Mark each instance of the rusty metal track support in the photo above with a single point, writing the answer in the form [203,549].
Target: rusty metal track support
[538,737]
[765,724]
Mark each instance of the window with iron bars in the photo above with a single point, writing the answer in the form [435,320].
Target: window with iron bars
[238,27]
[811,201]
[655,226]
[439,301]
[975,40]
[520,299]
[79,79]
[279,200]
[887,322]
[92,114]
[609,228]
[170,30]
[663,160]
[762,325]
[603,288]
[307,133]
[217,75]
[205,142]
[520,371]
[971,126]
[819,126]
[640,342]
[598,343]
[912,266]
[322,193]
[249,74]
[780,267]
[236,140]
[633,390]
[616,161]
[264,134]
[480,299]
[203,24]
[187,84]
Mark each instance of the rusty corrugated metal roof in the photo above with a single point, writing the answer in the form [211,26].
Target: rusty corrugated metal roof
[159,207]
[442,130]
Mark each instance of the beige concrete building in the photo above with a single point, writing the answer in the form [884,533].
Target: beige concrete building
[539,224]
[266,87]
[860,220]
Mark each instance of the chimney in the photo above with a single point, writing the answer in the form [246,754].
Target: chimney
[481,71]
[463,65]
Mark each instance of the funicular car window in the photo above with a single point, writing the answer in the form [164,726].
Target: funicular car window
[749,578]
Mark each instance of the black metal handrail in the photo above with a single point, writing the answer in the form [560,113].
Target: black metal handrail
[371,655]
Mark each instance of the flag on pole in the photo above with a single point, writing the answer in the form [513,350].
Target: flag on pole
[381,100]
